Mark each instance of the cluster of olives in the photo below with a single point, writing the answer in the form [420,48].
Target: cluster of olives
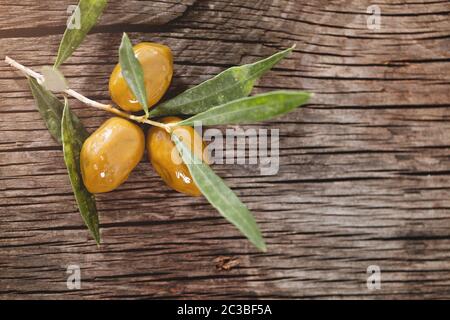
[110,154]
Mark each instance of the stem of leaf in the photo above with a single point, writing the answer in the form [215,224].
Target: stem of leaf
[106,107]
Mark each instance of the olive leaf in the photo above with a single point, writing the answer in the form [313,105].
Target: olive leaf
[89,11]
[233,83]
[132,71]
[72,140]
[251,109]
[51,110]
[220,195]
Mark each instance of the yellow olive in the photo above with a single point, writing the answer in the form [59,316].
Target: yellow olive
[157,64]
[167,161]
[110,154]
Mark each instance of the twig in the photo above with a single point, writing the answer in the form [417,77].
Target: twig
[106,107]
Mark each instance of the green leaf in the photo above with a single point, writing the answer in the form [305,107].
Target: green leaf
[72,140]
[220,196]
[252,109]
[90,11]
[231,84]
[51,110]
[132,71]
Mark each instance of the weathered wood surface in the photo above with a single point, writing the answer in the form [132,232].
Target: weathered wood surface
[365,168]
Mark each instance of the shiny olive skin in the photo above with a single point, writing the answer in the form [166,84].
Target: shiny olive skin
[110,154]
[157,63]
[166,160]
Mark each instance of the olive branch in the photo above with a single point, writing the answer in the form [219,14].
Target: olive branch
[224,99]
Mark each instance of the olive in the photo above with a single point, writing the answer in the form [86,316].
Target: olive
[157,63]
[110,154]
[166,160]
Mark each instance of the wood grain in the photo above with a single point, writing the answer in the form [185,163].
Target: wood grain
[365,168]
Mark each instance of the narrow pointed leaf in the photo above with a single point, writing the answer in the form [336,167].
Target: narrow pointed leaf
[252,109]
[51,110]
[89,11]
[132,72]
[231,84]
[72,140]
[220,196]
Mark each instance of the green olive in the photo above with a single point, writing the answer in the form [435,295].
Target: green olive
[157,63]
[110,154]
[167,161]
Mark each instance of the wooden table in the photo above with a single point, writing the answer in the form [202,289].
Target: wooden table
[365,168]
